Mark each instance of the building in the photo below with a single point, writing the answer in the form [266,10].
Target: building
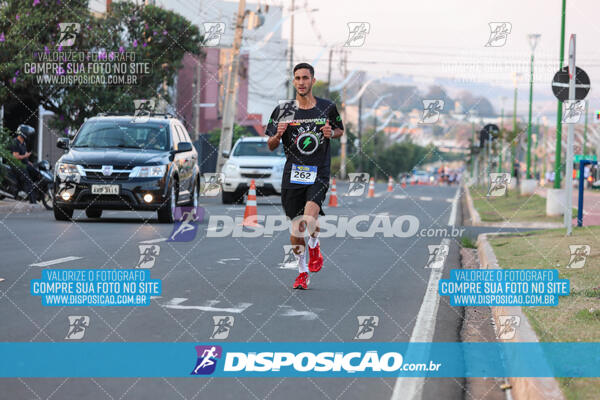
[263,69]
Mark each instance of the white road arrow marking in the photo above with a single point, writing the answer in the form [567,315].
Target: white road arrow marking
[208,306]
[305,315]
[224,260]
[57,261]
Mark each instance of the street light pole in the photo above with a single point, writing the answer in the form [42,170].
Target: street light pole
[557,164]
[584,150]
[501,136]
[533,40]
[513,149]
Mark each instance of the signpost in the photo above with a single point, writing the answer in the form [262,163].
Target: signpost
[570,83]
[582,164]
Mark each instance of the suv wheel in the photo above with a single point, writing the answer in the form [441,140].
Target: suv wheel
[93,212]
[236,197]
[62,214]
[227,197]
[195,194]
[167,211]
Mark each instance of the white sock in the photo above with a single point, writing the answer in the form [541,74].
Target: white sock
[302,264]
[312,242]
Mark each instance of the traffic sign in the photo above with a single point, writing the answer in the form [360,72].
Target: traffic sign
[560,84]
[587,157]
[489,132]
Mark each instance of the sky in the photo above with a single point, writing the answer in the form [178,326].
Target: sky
[421,41]
[433,39]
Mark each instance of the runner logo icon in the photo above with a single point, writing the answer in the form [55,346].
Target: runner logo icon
[207,359]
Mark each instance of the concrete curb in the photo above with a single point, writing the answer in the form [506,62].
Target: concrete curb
[19,207]
[522,388]
[476,219]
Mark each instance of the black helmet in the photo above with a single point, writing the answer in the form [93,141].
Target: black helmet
[25,131]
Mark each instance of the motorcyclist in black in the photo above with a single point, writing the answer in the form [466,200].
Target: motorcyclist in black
[24,174]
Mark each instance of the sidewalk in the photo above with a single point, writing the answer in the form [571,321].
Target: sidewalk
[591,205]
[8,206]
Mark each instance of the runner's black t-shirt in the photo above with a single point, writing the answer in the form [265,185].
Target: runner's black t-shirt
[303,140]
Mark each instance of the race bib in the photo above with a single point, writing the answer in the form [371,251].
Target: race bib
[303,174]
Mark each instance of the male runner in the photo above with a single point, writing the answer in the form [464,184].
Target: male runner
[306,174]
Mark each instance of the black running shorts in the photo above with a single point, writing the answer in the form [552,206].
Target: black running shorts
[293,200]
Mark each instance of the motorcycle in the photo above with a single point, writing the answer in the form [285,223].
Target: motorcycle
[42,185]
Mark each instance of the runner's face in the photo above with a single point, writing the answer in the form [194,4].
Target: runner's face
[303,81]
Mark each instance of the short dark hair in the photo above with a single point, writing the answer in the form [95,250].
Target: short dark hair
[305,66]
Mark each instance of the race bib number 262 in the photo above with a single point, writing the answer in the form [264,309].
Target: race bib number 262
[303,174]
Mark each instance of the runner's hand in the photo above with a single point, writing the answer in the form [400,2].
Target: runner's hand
[326,129]
[281,127]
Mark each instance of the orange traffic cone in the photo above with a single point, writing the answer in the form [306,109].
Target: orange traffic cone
[390,185]
[333,200]
[371,188]
[403,182]
[250,218]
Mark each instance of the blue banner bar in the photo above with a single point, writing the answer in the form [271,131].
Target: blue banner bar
[289,359]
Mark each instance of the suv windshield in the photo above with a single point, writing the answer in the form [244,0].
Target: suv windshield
[258,149]
[127,134]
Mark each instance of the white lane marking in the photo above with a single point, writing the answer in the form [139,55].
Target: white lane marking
[57,261]
[224,260]
[378,195]
[1,279]
[305,315]
[452,219]
[449,200]
[412,388]
[208,306]
[425,198]
[155,297]
[153,241]
[400,196]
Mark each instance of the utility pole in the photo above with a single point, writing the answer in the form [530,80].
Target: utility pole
[329,73]
[557,154]
[229,109]
[360,152]
[196,102]
[291,73]
[344,138]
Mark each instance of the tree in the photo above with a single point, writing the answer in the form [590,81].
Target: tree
[149,34]
[437,92]
[238,132]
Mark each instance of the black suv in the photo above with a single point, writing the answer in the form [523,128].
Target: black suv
[126,163]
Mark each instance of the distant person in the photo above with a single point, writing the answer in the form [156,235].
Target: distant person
[517,172]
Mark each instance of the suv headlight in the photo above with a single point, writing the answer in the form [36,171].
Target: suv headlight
[69,171]
[151,171]
[230,169]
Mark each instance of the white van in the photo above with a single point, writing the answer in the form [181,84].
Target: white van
[250,159]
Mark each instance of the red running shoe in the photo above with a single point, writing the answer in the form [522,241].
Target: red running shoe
[302,281]
[316,259]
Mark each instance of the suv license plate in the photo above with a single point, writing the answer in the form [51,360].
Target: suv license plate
[105,189]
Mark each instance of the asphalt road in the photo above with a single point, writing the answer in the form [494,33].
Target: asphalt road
[239,277]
